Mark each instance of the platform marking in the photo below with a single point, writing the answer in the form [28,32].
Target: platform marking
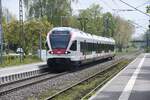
[127,90]
[109,82]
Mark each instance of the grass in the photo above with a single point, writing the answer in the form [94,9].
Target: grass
[126,51]
[77,92]
[15,60]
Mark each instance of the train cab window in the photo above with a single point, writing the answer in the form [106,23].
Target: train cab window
[74,46]
[59,39]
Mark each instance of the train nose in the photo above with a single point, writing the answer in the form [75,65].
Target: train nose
[59,51]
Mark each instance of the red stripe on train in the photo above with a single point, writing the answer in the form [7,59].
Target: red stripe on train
[59,51]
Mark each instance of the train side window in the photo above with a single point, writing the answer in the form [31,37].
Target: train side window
[74,46]
[81,46]
[113,47]
[99,47]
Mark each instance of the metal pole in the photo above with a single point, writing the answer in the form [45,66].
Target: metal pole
[40,37]
[40,45]
[21,29]
[147,41]
[41,8]
[1,34]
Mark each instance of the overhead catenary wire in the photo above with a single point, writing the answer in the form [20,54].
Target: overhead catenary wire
[135,8]
[138,11]
[143,4]
[139,25]
[118,10]
[105,3]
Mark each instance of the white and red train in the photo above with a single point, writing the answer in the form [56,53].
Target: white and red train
[69,46]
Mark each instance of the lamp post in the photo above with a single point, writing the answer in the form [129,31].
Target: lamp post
[40,44]
[21,39]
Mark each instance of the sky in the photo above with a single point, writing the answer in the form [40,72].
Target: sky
[107,5]
[12,5]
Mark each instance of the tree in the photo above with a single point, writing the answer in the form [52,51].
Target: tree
[33,28]
[11,33]
[94,20]
[6,19]
[108,25]
[123,32]
[54,10]
[148,9]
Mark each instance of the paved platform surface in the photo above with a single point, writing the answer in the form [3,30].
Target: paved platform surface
[132,83]
[21,68]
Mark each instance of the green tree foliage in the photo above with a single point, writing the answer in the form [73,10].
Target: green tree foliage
[97,23]
[11,31]
[108,25]
[54,10]
[7,25]
[148,9]
[32,29]
[42,15]
[74,22]
[91,19]
[123,32]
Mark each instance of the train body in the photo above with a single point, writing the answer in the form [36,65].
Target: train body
[72,47]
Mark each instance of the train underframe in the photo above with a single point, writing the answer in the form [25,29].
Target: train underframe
[62,64]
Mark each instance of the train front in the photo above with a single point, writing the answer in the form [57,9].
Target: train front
[58,51]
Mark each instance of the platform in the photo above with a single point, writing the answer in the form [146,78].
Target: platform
[132,83]
[21,68]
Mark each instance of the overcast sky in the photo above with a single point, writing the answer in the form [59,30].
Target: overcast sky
[107,5]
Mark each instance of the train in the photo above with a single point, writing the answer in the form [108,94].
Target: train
[70,47]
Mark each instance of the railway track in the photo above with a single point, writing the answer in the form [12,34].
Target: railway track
[85,96]
[19,85]
[9,87]
[16,85]
[91,76]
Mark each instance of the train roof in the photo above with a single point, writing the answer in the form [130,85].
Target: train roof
[81,34]
[62,28]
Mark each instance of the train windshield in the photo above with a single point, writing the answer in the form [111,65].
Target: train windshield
[59,39]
